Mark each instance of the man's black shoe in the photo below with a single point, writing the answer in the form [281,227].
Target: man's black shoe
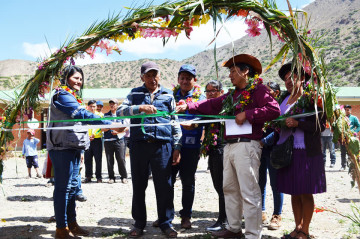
[80,198]
[216,227]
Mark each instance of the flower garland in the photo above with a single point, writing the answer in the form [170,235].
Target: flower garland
[195,96]
[72,92]
[304,104]
[229,107]
[215,131]
[212,135]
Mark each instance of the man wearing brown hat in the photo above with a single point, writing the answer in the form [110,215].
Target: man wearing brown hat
[114,145]
[152,145]
[252,102]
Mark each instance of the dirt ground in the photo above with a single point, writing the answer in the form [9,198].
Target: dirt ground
[26,206]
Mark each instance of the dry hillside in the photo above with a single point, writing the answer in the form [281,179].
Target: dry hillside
[336,21]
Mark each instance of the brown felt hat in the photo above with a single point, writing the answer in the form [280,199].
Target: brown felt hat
[246,59]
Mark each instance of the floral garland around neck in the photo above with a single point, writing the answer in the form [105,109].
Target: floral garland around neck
[211,139]
[229,106]
[195,96]
[72,92]
[304,104]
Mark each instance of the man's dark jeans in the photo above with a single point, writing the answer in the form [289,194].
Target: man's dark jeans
[187,169]
[118,148]
[343,155]
[95,150]
[216,158]
[158,155]
[326,142]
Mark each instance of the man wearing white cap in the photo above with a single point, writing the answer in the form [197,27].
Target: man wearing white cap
[30,153]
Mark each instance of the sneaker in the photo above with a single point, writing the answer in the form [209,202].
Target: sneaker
[264,218]
[124,180]
[29,176]
[111,181]
[275,222]
[332,165]
[38,176]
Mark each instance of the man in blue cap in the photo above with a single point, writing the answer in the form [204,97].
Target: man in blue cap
[99,107]
[187,90]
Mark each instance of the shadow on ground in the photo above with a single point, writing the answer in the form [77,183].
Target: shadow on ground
[28,198]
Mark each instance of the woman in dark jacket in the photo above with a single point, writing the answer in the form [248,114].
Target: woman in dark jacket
[65,148]
[306,174]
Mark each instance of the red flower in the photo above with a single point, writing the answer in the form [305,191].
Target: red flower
[245,94]
[242,13]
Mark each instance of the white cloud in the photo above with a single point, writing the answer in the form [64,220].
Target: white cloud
[99,58]
[40,50]
[199,38]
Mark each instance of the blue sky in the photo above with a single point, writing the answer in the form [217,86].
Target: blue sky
[27,25]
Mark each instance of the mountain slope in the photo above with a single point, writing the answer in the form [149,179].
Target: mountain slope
[337,21]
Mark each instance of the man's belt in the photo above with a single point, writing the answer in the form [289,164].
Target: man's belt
[237,140]
[152,140]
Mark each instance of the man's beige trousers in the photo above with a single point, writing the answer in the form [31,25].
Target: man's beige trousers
[241,188]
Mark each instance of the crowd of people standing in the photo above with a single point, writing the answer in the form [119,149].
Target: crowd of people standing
[238,160]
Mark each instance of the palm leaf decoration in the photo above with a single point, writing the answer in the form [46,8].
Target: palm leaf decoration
[174,17]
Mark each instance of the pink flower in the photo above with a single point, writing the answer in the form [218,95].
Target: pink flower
[215,137]
[308,32]
[104,45]
[181,102]
[41,66]
[188,28]
[275,33]
[91,51]
[253,29]
[158,32]
[215,143]
[167,33]
[305,63]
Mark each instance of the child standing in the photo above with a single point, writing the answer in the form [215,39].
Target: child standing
[29,151]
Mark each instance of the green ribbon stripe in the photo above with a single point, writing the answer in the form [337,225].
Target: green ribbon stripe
[142,116]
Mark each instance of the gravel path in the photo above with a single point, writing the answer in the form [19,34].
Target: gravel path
[26,205]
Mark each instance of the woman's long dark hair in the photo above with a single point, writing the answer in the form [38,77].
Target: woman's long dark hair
[70,71]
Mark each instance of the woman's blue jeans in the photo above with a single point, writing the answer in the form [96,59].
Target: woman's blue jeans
[66,172]
[277,196]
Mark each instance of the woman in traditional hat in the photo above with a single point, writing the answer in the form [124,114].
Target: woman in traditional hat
[65,148]
[306,175]
[249,101]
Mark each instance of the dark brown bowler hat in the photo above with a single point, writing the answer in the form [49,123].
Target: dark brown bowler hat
[246,59]
[287,67]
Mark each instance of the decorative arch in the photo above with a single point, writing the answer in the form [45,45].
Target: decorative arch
[168,20]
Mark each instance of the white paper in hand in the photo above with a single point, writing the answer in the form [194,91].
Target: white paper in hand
[232,128]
